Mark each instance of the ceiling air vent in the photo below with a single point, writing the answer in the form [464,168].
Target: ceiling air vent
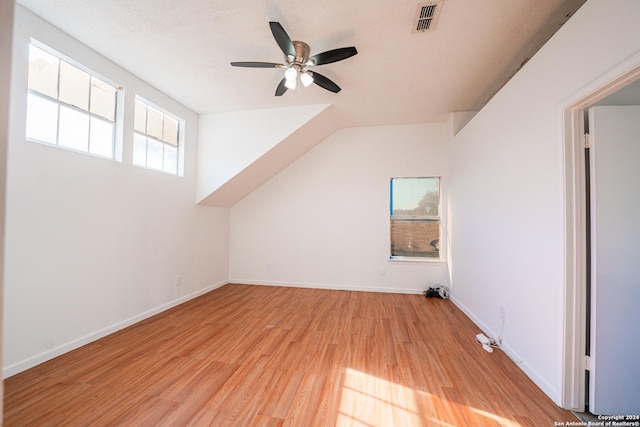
[426,16]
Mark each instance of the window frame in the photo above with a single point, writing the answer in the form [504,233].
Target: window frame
[117,122]
[422,218]
[180,139]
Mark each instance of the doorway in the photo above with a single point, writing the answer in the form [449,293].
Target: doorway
[619,87]
[613,257]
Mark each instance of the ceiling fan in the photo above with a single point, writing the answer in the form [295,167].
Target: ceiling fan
[298,61]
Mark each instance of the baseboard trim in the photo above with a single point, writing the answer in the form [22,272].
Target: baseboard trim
[32,361]
[329,286]
[510,352]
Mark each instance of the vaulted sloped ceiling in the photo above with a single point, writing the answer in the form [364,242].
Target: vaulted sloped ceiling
[238,151]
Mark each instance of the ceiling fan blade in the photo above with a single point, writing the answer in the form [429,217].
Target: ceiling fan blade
[282,38]
[324,82]
[281,89]
[252,64]
[333,55]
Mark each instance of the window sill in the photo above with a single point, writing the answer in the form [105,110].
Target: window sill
[417,260]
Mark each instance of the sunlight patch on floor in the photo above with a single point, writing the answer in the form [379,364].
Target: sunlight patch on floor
[502,422]
[369,401]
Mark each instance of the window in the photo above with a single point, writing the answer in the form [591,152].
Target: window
[415,217]
[155,140]
[68,106]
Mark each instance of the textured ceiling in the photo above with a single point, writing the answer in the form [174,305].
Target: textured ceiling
[184,49]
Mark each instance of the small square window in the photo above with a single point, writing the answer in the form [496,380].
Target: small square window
[415,217]
[156,138]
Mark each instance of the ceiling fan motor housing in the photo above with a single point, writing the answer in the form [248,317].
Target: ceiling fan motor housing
[302,52]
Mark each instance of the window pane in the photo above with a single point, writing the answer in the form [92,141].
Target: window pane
[101,138]
[415,238]
[170,159]
[139,149]
[74,86]
[154,122]
[140,120]
[154,154]
[170,134]
[74,129]
[103,99]
[42,119]
[43,72]
[415,196]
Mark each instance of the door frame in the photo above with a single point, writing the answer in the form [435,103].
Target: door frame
[575,298]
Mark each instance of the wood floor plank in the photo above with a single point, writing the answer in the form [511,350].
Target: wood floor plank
[274,356]
[284,392]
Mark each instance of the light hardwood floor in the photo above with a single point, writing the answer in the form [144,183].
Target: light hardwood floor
[272,356]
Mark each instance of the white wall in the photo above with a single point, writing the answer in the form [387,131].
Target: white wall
[506,189]
[6,36]
[93,245]
[324,220]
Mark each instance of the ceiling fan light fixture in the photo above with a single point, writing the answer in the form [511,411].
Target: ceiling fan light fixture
[291,84]
[306,79]
[291,74]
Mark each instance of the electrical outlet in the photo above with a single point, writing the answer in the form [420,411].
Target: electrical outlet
[502,313]
[178,280]
[383,271]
